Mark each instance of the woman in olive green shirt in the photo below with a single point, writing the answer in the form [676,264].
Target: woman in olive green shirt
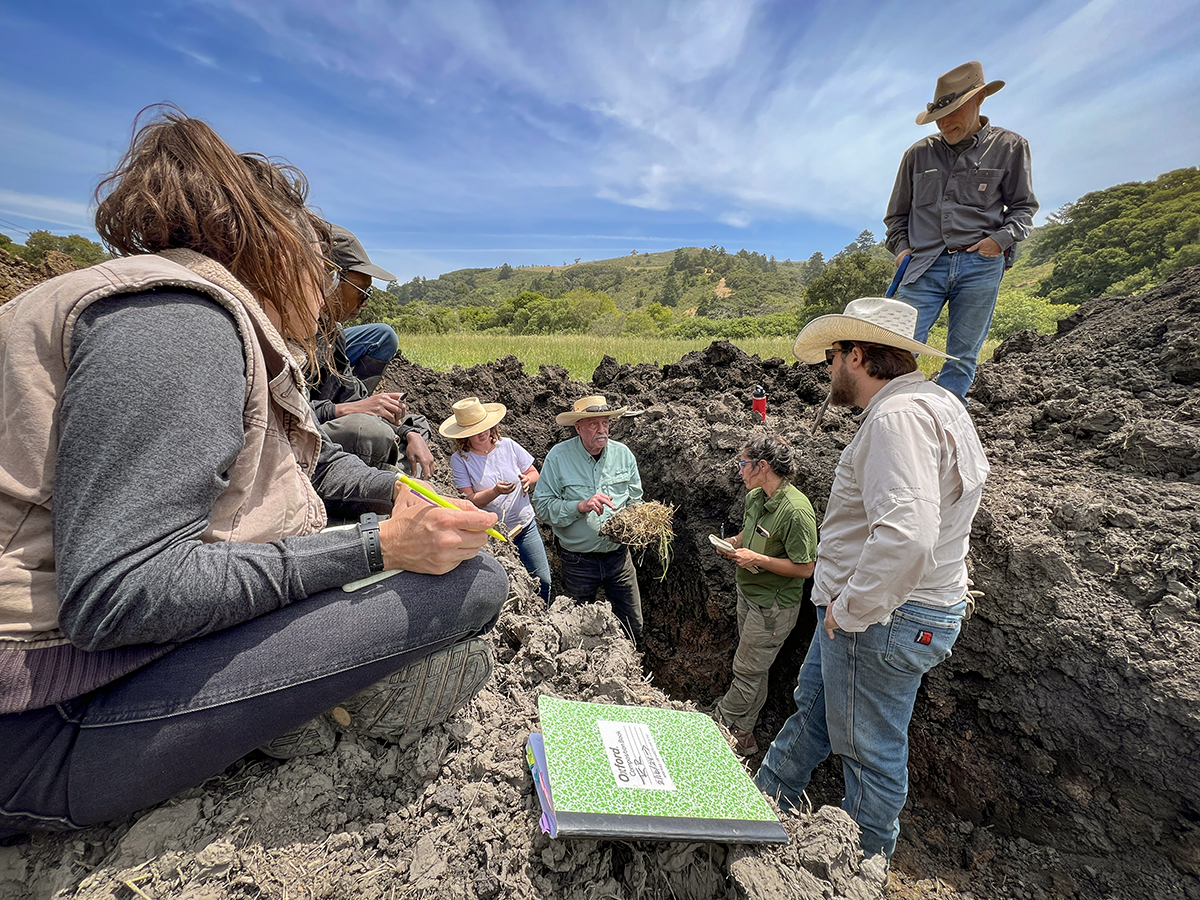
[775,552]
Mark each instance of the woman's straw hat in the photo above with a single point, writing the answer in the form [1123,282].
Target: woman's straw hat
[472,417]
[589,408]
[872,320]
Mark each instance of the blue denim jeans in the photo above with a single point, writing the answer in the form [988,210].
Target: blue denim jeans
[969,283]
[583,574]
[854,697]
[370,348]
[188,715]
[532,551]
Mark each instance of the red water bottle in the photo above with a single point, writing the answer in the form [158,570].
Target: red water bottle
[759,402]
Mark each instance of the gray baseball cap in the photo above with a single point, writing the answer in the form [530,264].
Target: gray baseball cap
[348,254]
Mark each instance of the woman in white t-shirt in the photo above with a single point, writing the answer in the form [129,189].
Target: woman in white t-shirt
[497,474]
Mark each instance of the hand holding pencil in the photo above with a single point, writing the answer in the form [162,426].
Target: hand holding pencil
[431,535]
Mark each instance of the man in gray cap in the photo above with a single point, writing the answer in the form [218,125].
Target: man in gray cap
[963,197]
[377,428]
[890,582]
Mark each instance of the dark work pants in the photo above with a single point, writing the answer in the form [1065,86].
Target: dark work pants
[583,574]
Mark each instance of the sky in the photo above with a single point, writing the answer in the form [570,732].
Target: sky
[462,133]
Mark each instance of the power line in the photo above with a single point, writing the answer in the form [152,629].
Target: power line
[14,226]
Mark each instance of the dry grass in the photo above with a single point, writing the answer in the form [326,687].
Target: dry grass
[646,525]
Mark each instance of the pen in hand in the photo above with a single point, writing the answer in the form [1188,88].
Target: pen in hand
[434,497]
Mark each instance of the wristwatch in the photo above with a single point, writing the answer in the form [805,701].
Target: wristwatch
[368,528]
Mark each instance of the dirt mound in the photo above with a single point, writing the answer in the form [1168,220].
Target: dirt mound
[449,814]
[1054,755]
[16,275]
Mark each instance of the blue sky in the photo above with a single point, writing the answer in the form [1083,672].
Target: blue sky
[463,133]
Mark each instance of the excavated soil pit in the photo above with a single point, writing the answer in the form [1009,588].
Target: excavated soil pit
[1054,755]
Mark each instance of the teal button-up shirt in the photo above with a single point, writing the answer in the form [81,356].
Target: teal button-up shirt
[569,476]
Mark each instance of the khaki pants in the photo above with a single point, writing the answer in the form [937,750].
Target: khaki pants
[762,632]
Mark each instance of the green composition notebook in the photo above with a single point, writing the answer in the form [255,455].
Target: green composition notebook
[602,770]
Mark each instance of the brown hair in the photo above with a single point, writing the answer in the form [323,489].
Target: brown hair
[775,451]
[180,186]
[882,361]
[463,444]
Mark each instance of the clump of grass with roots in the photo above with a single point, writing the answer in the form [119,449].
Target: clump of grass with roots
[644,526]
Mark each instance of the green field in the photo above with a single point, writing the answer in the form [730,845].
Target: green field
[578,353]
[581,353]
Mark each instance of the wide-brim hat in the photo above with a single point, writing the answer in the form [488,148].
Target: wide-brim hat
[872,320]
[592,407]
[472,417]
[956,87]
[348,254]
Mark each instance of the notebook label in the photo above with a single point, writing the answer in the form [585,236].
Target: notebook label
[633,756]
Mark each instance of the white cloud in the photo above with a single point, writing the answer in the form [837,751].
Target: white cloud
[56,210]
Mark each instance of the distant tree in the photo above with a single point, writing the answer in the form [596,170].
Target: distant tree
[1122,239]
[670,293]
[39,243]
[505,273]
[813,267]
[846,278]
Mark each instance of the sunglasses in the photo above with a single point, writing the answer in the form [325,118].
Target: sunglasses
[748,462]
[832,351]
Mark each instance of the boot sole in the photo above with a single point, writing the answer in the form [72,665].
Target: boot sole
[425,693]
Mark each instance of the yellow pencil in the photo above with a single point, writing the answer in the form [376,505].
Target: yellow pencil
[434,497]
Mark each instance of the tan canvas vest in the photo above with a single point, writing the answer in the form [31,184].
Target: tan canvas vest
[270,494]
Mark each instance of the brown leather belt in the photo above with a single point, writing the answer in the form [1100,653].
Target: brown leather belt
[958,249]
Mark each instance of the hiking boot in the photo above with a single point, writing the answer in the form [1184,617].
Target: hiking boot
[746,744]
[424,693]
[314,736]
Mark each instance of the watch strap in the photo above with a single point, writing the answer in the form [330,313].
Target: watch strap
[368,528]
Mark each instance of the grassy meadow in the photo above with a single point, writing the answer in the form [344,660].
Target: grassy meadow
[581,353]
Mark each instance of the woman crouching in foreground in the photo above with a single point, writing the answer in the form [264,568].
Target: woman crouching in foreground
[168,600]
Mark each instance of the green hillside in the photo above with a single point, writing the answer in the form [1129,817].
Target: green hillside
[1120,240]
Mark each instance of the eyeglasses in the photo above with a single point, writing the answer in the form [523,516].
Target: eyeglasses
[829,354]
[748,462]
[364,294]
[335,278]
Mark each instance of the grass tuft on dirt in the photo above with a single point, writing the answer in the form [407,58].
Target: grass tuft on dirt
[645,526]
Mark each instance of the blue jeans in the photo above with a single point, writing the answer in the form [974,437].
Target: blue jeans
[533,556]
[370,348]
[969,283]
[854,697]
[187,716]
[583,574]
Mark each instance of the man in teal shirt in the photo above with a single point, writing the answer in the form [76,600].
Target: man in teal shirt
[584,481]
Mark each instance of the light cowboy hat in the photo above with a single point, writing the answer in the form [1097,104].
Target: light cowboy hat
[954,88]
[591,407]
[472,417]
[872,320]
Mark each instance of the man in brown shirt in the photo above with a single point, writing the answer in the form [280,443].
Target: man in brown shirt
[963,197]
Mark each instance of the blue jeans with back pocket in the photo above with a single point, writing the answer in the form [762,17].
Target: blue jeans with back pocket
[854,697]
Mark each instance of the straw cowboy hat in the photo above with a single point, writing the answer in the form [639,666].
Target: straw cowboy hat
[589,408]
[954,88]
[472,417]
[872,320]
